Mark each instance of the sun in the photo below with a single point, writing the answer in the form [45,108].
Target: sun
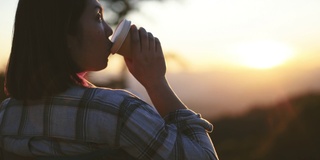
[262,54]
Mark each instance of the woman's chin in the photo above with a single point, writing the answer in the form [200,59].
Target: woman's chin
[103,66]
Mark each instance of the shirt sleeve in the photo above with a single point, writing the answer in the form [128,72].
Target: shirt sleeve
[182,134]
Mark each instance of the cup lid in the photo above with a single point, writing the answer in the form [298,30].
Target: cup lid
[120,35]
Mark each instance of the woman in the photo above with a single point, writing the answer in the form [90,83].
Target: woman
[54,112]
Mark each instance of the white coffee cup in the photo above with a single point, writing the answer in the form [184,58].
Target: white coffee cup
[121,39]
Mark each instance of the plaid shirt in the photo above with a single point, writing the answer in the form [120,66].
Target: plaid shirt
[82,120]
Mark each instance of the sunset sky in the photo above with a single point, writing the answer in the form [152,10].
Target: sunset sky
[239,52]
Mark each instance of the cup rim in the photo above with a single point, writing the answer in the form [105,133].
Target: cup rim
[120,34]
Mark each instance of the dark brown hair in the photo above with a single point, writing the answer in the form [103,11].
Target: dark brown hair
[40,64]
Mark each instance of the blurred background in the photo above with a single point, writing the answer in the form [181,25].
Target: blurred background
[251,67]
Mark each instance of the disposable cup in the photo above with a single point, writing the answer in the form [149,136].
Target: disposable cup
[121,39]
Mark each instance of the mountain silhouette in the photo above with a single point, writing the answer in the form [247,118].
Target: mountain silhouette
[287,130]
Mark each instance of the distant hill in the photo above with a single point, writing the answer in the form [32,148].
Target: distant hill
[287,130]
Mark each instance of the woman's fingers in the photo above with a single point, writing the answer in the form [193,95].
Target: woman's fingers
[158,47]
[144,42]
[135,39]
[151,42]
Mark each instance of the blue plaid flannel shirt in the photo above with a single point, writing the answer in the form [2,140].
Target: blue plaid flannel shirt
[83,120]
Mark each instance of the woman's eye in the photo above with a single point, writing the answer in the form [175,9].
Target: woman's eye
[99,16]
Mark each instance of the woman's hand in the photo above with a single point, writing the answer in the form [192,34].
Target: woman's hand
[147,63]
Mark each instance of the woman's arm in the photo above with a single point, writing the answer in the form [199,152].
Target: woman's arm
[178,133]
[181,135]
[148,66]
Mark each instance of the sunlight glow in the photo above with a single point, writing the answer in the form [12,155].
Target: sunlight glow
[262,54]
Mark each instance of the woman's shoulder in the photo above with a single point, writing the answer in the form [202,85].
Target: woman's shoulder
[101,92]
[104,95]
[96,91]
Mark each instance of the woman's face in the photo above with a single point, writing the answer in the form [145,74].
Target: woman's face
[90,47]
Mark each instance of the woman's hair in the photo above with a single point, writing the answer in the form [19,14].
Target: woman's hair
[40,64]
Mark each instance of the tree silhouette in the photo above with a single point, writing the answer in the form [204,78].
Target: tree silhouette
[118,9]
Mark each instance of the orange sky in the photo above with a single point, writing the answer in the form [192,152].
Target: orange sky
[227,90]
